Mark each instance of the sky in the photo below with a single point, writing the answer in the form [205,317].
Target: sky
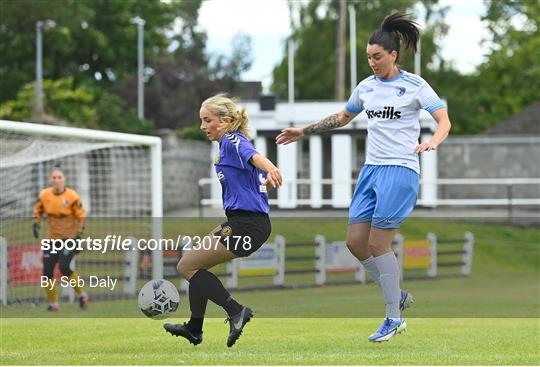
[267,23]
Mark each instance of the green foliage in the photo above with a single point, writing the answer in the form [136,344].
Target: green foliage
[326,325]
[95,43]
[503,85]
[506,82]
[182,80]
[91,38]
[314,34]
[83,106]
[193,133]
[64,104]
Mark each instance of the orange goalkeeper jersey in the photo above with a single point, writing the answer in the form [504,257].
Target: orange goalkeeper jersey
[65,213]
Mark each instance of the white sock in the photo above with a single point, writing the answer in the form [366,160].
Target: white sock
[371,268]
[389,281]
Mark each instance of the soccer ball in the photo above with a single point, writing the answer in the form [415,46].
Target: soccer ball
[158,299]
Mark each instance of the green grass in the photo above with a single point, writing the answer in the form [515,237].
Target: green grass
[491,317]
[272,341]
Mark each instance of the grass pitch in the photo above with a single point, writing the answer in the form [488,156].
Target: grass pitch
[320,341]
[490,318]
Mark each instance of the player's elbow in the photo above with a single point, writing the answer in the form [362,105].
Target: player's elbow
[345,117]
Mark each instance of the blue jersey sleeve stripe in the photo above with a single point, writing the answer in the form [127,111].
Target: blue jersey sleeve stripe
[412,81]
[435,107]
[352,109]
[416,79]
[413,78]
[367,79]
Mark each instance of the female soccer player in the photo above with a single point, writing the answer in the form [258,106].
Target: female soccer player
[65,220]
[241,171]
[387,188]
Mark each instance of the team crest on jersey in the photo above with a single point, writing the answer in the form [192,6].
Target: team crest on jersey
[400,91]
[226,231]
[262,180]
[65,202]
[218,158]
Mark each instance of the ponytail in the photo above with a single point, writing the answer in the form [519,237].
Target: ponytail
[223,106]
[395,28]
[240,123]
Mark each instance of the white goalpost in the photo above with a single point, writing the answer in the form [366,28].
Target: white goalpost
[119,179]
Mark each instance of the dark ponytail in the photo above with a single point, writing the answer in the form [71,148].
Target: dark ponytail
[395,28]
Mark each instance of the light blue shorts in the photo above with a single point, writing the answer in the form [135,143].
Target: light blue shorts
[384,196]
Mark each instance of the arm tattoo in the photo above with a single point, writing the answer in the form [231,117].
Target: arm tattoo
[327,123]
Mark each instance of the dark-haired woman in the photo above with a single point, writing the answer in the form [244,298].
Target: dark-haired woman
[387,188]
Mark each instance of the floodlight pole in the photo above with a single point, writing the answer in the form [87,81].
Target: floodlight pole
[291,69]
[140,65]
[352,39]
[39,74]
[39,109]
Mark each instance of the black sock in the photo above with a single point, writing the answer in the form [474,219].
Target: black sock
[210,285]
[195,324]
[197,305]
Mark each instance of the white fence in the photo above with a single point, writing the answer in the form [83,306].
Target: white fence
[271,260]
[509,183]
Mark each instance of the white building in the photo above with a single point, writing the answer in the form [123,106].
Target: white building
[322,169]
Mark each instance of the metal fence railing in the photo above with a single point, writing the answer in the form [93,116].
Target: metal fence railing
[508,200]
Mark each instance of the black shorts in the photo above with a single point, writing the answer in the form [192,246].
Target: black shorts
[244,232]
[62,257]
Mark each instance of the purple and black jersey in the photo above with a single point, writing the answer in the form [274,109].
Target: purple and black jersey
[241,182]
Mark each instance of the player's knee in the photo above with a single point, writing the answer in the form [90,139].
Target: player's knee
[375,247]
[352,245]
[358,248]
[185,269]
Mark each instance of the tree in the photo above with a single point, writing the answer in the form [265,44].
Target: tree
[503,84]
[79,106]
[508,81]
[183,80]
[93,40]
[314,32]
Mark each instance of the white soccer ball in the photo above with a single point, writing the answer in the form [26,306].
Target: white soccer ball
[159,299]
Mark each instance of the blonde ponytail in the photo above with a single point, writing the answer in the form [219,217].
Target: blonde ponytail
[223,106]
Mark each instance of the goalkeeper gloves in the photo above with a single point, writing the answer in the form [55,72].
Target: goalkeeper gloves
[35,230]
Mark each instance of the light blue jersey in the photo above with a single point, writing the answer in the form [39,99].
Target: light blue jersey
[393,108]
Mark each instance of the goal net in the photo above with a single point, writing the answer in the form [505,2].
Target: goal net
[117,176]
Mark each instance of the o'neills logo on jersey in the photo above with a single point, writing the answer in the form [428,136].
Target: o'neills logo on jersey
[387,112]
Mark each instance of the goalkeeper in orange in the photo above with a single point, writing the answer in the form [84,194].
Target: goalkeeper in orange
[65,220]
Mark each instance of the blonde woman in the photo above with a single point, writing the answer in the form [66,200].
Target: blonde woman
[244,175]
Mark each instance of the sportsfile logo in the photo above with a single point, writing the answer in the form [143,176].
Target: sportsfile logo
[387,112]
